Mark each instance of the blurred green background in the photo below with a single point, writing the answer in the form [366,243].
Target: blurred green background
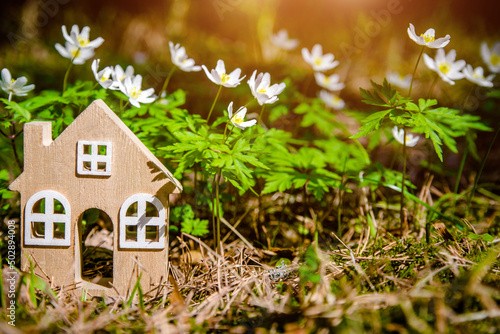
[368,37]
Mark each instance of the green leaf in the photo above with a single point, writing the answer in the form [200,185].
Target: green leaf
[195,227]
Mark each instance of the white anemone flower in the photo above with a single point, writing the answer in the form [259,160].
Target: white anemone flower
[220,77]
[477,76]
[181,60]
[132,88]
[428,38]
[399,136]
[14,86]
[103,77]
[399,80]
[281,40]
[332,82]
[261,88]
[331,100]
[81,39]
[238,118]
[119,76]
[320,62]
[491,57]
[77,54]
[446,66]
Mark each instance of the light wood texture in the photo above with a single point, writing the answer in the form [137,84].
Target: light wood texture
[52,165]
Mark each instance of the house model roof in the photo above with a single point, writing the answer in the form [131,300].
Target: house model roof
[97,122]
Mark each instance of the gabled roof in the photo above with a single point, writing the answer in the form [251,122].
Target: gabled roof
[89,113]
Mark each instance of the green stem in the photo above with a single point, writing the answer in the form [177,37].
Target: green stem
[415,70]
[261,112]
[12,138]
[213,104]
[87,96]
[169,75]
[483,163]
[464,157]
[339,211]
[65,82]
[459,177]
[432,86]
[230,131]
[217,208]
[467,99]
[401,210]
[122,108]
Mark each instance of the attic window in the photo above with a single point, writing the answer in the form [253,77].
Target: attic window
[142,223]
[93,158]
[47,219]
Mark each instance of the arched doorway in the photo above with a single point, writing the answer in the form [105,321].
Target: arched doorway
[96,247]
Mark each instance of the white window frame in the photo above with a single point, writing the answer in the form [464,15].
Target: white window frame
[94,158]
[48,218]
[141,221]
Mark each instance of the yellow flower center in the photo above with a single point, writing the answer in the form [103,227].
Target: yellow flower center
[408,138]
[318,61]
[237,119]
[74,52]
[495,59]
[104,78]
[477,76]
[444,68]
[427,38]
[336,99]
[224,77]
[135,92]
[12,80]
[82,41]
[262,90]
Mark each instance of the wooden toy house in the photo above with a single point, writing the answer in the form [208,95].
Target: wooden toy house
[96,162]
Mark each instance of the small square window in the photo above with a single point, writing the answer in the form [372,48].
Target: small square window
[101,149]
[38,230]
[87,149]
[152,233]
[59,230]
[93,158]
[87,166]
[131,233]
[101,166]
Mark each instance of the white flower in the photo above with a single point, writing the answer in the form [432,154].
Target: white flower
[181,60]
[428,38]
[16,87]
[77,54]
[262,90]
[399,136]
[491,57]
[320,62]
[445,65]
[132,88]
[239,116]
[399,80]
[219,76]
[81,39]
[331,82]
[331,100]
[477,76]
[104,76]
[281,40]
[119,76]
